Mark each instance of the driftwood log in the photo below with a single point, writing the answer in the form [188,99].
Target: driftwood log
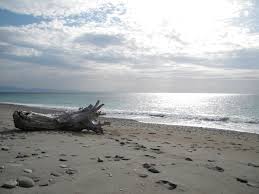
[83,118]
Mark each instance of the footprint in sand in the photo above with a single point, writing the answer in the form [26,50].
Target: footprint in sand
[150,156]
[216,168]
[156,150]
[241,180]
[150,168]
[169,185]
[253,165]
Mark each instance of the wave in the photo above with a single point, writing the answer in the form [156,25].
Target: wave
[175,117]
[157,115]
[252,122]
[223,119]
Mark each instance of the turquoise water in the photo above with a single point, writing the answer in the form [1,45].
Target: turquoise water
[223,111]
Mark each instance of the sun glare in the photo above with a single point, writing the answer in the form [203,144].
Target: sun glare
[182,14]
[193,21]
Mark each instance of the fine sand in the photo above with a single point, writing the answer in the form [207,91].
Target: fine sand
[131,157]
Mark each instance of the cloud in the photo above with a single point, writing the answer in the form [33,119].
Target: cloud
[50,8]
[242,59]
[100,40]
[129,41]
[10,50]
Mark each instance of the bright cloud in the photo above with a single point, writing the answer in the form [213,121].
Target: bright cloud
[130,41]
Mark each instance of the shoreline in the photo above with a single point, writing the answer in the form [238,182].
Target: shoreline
[47,109]
[131,157]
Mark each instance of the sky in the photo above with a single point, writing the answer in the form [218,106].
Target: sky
[131,45]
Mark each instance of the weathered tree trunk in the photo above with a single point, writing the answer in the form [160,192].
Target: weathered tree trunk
[84,118]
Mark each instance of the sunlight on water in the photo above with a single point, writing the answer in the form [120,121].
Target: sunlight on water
[223,111]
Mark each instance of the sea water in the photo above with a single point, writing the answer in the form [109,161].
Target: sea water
[239,112]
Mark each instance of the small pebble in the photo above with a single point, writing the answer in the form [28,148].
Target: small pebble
[10,184]
[99,159]
[27,170]
[70,171]
[188,159]
[26,182]
[143,175]
[56,174]
[52,181]
[63,166]
[63,159]
[5,148]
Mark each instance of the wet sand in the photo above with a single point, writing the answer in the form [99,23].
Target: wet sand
[131,157]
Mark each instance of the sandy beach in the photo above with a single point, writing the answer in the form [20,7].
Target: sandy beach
[131,157]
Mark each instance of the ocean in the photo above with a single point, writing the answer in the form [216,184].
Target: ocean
[238,112]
